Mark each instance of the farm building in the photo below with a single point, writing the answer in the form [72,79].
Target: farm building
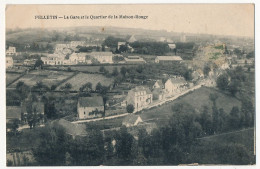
[139,97]
[76,58]
[167,59]
[175,85]
[158,84]
[11,51]
[102,57]
[9,62]
[90,107]
[53,59]
[131,120]
[134,59]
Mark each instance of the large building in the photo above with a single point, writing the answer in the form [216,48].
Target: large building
[53,59]
[77,58]
[11,51]
[175,85]
[167,59]
[9,62]
[90,107]
[102,57]
[139,97]
[134,60]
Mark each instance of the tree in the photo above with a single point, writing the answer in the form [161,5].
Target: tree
[222,82]
[123,71]
[130,108]
[206,70]
[99,87]
[102,69]
[234,118]
[115,71]
[234,87]
[38,64]
[14,125]
[22,89]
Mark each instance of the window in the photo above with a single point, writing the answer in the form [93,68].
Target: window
[84,113]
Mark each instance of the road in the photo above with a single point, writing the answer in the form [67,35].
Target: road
[154,104]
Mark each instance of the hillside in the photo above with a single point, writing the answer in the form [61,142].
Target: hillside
[197,99]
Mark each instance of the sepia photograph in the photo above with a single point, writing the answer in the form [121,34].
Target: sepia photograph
[130,85]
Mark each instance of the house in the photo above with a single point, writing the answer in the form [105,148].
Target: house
[102,57]
[158,85]
[131,120]
[11,51]
[76,58]
[175,85]
[131,39]
[9,62]
[72,129]
[158,94]
[53,59]
[74,44]
[13,113]
[172,46]
[135,60]
[167,59]
[90,107]
[38,107]
[60,47]
[139,97]
[29,61]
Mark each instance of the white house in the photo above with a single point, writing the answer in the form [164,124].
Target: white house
[9,62]
[53,59]
[175,85]
[90,107]
[172,45]
[167,59]
[11,51]
[139,97]
[132,120]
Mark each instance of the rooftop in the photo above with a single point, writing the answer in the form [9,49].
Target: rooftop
[130,119]
[71,128]
[94,101]
[169,58]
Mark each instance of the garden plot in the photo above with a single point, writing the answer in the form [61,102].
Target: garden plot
[48,78]
[11,77]
[83,78]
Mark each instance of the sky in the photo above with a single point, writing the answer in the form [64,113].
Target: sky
[219,19]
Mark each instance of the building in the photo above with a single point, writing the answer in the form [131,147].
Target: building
[131,120]
[131,39]
[60,47]
[74,44]
[139,97]
[175,85]
[77,58]
[90,107]
[13,113]
[158,94]
[158,84]
[172,46]
[167,59]
[11,51]
[9,62]
[134,60]
[53,59]
[29,62]
[102,57]
[72,129]
[38,107]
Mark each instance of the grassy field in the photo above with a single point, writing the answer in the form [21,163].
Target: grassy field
[83,78]
[197,99]
[47,77]
[11,76]
[235,148]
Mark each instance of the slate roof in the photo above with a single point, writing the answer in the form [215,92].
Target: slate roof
[13,112]
[169,58]
[178,80]
[95,101]
[130,119]
[160,83]
[72,128]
